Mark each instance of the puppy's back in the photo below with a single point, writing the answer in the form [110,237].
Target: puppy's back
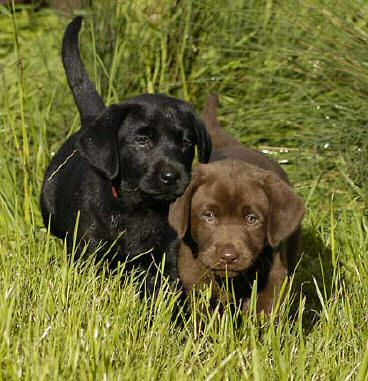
[226,147]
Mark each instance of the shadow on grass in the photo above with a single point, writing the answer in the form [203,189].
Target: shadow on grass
[315,266]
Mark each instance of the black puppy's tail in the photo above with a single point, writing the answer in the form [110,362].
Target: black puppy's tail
[89,102]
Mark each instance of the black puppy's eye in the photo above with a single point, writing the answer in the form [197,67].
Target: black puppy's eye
[209,216]
[187,143]
[142,140]
[251,219]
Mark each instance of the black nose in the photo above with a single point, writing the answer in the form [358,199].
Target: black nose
[229,254]
[169,177]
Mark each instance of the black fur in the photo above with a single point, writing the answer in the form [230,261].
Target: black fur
[144,147]
[89,102]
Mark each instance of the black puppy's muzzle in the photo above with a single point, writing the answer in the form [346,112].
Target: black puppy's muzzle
[165,181]
[169,176]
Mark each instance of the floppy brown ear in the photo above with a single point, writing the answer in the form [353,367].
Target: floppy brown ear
[98,142]
[286,210]
[179,212]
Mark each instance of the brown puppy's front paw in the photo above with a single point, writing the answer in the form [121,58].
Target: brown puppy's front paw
[264,304]
[246,306]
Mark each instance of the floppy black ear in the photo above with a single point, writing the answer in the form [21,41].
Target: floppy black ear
[98,142]
[203,141]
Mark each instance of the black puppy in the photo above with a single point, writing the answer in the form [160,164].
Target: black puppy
[121,170]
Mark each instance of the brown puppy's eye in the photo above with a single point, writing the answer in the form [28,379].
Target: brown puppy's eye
[209,216]
[251,219]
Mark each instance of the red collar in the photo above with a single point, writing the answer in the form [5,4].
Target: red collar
[114,192]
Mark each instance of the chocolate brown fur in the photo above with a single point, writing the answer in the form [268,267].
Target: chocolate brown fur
[239,217]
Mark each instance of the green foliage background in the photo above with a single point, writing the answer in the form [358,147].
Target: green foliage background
[292,77]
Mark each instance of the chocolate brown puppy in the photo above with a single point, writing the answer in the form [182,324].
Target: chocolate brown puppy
[238,218]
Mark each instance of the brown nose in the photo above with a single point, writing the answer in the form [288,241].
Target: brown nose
[229,254]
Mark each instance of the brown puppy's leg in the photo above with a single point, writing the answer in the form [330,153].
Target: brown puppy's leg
[194,275]
[191,271]
[268,296]
[292,248]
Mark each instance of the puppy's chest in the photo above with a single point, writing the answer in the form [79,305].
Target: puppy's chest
[241,286]
[142,231]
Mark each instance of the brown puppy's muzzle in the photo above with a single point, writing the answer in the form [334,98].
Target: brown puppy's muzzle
[228,255]
[227,258]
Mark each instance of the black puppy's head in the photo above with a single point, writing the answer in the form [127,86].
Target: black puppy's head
[148,144]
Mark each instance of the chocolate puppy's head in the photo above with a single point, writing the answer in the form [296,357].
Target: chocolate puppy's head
[146,144]
[231,210]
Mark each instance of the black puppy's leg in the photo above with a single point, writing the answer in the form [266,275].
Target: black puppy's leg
[100,250]
[163,272]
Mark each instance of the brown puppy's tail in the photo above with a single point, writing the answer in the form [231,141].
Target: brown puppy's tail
[219,137]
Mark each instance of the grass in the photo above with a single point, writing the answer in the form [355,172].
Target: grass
[292,78]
